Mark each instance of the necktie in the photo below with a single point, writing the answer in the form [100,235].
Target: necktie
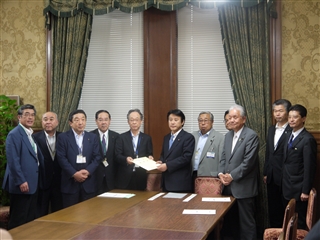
[103,142]
[234,142]
[171,141]
[290,141]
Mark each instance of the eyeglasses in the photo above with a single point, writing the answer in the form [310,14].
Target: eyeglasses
[29,115]
[203,120]
[134,120]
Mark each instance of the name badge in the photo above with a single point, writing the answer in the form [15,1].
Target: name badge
[105,162]
[81,159]
[211,154]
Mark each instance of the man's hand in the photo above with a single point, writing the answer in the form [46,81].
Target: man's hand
[265,179]
[162,167]
[226,179]
[129,160]
[24,187]
[304,197]
[81,175]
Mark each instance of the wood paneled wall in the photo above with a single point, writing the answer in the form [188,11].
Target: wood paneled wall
[160,73]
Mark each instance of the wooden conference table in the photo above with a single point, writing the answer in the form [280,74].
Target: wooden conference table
[123,218]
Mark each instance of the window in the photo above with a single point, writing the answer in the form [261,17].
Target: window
[203,80]
[114,72]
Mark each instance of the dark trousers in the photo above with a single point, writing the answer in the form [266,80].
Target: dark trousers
[103,186]
[240,218]
[74,198]
[49,199]
[138,180]
[23,208]
[194,176]
[275,206]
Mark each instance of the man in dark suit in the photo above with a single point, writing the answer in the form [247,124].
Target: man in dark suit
[130,145]
[79,156]
[106,169]
[176,155]
[299,165]
[239,171]
[24,171]
[276,138]
[50,194]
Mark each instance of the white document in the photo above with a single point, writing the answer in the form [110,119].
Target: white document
[174,195]
[216,199]
[146,163]
[116,195]
[156,196]
[189,198]
[199,211]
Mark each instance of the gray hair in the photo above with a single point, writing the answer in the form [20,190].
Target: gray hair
[135,110]
[207,112]
[240,109]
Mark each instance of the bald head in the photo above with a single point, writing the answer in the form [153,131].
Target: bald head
[50,122]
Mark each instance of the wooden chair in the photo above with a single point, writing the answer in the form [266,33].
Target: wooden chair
[154,181]
[291,233]
[311,214]
[279,233]
[207,186]
[4,217]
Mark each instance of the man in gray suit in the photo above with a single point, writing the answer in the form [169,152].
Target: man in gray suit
[208,147]
[238,171]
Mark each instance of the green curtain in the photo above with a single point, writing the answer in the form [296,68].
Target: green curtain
[245,33]
[70,41]
[68,8]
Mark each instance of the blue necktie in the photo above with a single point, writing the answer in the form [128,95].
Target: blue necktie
[290,141]
[104,148]
[171,141]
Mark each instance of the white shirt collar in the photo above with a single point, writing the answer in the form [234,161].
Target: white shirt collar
[296,133]
[29,131]
[101,133]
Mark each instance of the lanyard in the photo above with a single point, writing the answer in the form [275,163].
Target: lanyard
[136,148]
[52,152]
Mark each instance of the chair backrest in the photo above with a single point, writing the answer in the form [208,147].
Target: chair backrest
[291,233]
[311,211]
[154,181]
[288,214]
[208,186]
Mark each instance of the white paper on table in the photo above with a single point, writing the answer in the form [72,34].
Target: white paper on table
[199,211]
[174,195]
[146,163]
[116,195]
[189,198]
[216,199]
[156,196]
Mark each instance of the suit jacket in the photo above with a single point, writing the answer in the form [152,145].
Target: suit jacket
[178,159]
[22,163]
[67,151]
[242,163]
[51,167]
[299,165]
[208,166]
[109,171]
[124,149]
[274,156]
